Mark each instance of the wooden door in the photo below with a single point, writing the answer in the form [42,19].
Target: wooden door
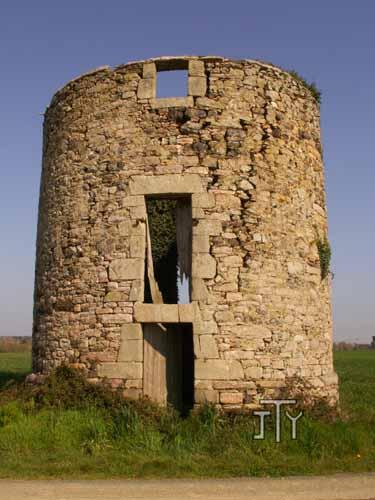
[154,363]
[168,369]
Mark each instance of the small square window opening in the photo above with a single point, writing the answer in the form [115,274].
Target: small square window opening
[172,83]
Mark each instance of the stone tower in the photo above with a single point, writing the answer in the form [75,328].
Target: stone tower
[238,161]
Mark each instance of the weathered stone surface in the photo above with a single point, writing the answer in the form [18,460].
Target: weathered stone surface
[197,85]
[149,70]
[147,89]
[201,243]
[204,396]
[172,102]
[186,313]
[126,269]
[271,384]
[261,313]
[137,246]
[208,227]
[205,327]
[133,201]
[240,385]
[137,291]
[115,296]
[131,331]
[125,228]
[232,398]
[166,184]
[204,266]
[156,313]
[295,267]
[196,68]
[202,200]
[252,331]
[120,370]
[138,212]
[115,319]
[130,350]
[199,289]
[218,369]
[253,372]
[330,379]
[208,347]
[224,317]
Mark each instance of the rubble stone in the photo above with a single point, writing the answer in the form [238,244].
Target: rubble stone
[245,145]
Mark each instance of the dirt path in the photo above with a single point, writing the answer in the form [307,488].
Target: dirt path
[338,487]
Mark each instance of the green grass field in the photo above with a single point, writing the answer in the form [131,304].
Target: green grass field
[98,441]
[14,366]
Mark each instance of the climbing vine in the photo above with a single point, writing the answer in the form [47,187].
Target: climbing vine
[324,250]
[162,222]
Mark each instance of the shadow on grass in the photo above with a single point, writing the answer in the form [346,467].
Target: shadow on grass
[8,378]
[14,366]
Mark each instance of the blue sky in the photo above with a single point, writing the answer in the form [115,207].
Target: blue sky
[45,44]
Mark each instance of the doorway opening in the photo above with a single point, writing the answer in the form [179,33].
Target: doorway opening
[169,242]
[169,365]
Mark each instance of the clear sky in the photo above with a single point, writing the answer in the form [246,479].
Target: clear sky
[44,44]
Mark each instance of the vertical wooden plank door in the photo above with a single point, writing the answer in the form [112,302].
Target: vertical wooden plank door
[168,369]
[154,363]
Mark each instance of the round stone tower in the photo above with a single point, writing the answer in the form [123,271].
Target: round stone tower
[237,165]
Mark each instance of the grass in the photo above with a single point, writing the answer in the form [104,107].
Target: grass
[317,95]
[69,430]
[14,366]
[356,370]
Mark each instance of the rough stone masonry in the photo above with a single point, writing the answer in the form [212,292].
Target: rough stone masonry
[244,144]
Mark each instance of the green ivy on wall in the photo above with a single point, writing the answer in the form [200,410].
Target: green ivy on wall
[324,250]
[162,223]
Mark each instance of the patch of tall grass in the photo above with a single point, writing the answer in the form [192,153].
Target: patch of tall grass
[67,427]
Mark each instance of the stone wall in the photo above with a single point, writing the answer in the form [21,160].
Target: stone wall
[245,144]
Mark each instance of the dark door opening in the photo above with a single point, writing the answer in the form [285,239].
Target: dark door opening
[169,365]
[170,228]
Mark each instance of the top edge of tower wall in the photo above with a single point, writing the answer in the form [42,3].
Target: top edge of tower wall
[165,63]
